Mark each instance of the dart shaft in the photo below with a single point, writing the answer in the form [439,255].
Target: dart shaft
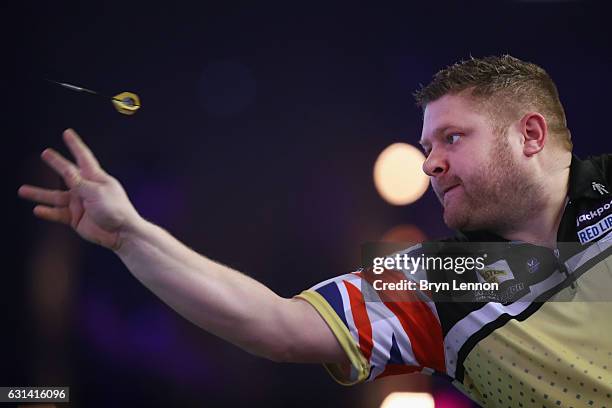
[72,87]
[76,88]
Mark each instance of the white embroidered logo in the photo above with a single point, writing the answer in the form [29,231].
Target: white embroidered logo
[599,188]
[533,265]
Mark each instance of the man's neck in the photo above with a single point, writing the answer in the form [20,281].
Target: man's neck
[541,227]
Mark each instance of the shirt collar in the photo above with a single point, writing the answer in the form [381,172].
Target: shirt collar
[586,180]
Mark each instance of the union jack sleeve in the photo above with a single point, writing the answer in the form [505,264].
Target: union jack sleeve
[382,333]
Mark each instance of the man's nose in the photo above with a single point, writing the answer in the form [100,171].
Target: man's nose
[435,164]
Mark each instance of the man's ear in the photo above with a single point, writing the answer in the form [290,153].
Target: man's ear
[535,133]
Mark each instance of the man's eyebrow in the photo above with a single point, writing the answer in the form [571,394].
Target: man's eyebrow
[439,130]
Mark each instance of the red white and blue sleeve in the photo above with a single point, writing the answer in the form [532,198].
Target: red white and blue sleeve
[382,332]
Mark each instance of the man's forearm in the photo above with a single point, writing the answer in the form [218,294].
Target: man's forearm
[217,298]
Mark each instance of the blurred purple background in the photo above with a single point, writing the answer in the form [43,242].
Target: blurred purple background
[255,144]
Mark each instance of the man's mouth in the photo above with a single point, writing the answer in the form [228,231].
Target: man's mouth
[447,189]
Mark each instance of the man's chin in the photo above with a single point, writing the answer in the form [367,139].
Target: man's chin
[466,220]
[457,220]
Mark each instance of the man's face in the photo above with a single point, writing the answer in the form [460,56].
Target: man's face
[475,172]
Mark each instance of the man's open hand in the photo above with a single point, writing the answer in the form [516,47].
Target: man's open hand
[95,204]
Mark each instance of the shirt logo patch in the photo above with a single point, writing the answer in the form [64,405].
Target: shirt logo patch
[600,188]
[595,231]
[533,265]
[497,272]
[594,214]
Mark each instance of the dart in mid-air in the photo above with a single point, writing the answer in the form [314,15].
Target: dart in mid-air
[126,103]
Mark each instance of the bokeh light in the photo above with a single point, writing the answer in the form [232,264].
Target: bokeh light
[398,174]
[408,399]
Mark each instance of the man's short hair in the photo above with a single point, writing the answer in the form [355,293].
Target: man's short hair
[506,87]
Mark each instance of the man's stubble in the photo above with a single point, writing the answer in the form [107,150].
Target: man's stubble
[497,196]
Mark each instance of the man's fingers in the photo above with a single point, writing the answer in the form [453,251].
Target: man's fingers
[53,214]
[84,157]
[44,196]
[69,172]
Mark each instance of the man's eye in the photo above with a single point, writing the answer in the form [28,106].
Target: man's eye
[453,138]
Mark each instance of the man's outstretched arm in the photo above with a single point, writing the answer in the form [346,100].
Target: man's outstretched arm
[225,302]
[217,298]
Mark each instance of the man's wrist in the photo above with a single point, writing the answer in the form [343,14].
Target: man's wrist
[129,234]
